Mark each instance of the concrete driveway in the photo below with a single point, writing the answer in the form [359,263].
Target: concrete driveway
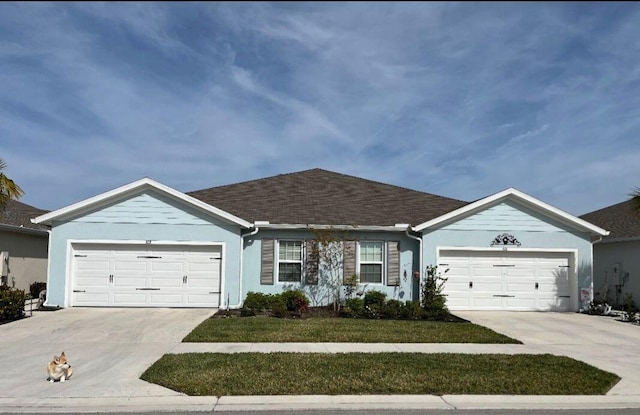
[602,342]
[107,348]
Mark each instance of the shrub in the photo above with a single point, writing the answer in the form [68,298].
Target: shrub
[355,306]
[411,310]
[375,298]
[258,301]
[279,308]
[433,300]
[11,304]
[392,309]
[295,301]
[36,287]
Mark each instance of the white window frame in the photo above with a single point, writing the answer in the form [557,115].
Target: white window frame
[383,263]
[284,261]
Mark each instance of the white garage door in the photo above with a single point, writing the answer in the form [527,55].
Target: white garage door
[513,280]
[146,276]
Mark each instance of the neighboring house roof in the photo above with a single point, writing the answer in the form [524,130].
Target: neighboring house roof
[17,217]
[319,196]
[620,219]
[134,188]
[522,198]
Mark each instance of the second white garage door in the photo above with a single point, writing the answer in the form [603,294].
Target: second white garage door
[146,276]
[513,280]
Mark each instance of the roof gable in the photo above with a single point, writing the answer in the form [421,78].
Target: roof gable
[127,191]
[521,198]
[620,219]
[319,196]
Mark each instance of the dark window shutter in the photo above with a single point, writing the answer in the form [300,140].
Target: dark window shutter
[393,263]
[348,259]
[266,268]
[311,262]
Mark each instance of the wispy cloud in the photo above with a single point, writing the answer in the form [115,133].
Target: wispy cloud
[455,99]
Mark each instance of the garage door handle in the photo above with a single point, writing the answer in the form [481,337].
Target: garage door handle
[504,295]
[503,266]
[470,284]
[149,256]
[148,289]
[537,285]
[564,296]
[79,291]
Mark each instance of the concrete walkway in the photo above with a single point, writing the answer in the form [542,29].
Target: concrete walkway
[110,348]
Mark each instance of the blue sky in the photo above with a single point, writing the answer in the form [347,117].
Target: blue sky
[461,100]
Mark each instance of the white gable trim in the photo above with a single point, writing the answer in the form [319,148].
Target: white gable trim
[135,187]
[524,198]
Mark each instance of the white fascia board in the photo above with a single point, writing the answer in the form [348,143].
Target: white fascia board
[519,196]
[144,183]
[369,228]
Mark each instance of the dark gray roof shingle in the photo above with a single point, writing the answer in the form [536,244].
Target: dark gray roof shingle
[620,219]
[19,214]
[323,197]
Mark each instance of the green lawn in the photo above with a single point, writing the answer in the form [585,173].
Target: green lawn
[257,329]
[218,374]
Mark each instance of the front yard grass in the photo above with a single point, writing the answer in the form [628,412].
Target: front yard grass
[318,330]
[220,374]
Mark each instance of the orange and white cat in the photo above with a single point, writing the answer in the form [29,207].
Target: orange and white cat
[59,368]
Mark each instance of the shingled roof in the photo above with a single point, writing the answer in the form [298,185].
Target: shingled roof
[620,219]
[322,197]
[18,215]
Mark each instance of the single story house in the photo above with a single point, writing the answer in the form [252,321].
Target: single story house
[148,245]
[616,258]
[23,246]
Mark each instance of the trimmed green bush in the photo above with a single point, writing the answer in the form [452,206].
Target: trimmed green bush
[295,300]
[279,308]
[392,309]
[375,298]
[411,310]
[11,304]
[356,306]
[258,301]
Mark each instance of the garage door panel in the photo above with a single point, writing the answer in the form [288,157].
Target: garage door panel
[167,282]
[507,280]
[173,300]
[170,275]
[166,266]
[129,298]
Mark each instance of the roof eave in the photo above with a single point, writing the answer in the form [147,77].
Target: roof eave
[539,205]
[22,229]
[364,228]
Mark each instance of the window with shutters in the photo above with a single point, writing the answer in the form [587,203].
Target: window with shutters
[290,261]
[371,262]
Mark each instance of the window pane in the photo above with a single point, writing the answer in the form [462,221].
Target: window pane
[371,273]
[371,251]
[289,272]
[290,251]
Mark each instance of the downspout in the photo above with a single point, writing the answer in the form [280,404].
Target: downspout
[46,301]
[255,230]
[406,232]
[578,277]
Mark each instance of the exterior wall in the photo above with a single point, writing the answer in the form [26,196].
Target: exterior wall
[148,216]
[612,261]
[27,258]
[320,294]
[532,229]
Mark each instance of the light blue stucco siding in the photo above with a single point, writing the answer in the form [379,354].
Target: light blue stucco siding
[532,229]
[320,294]
[148,216]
